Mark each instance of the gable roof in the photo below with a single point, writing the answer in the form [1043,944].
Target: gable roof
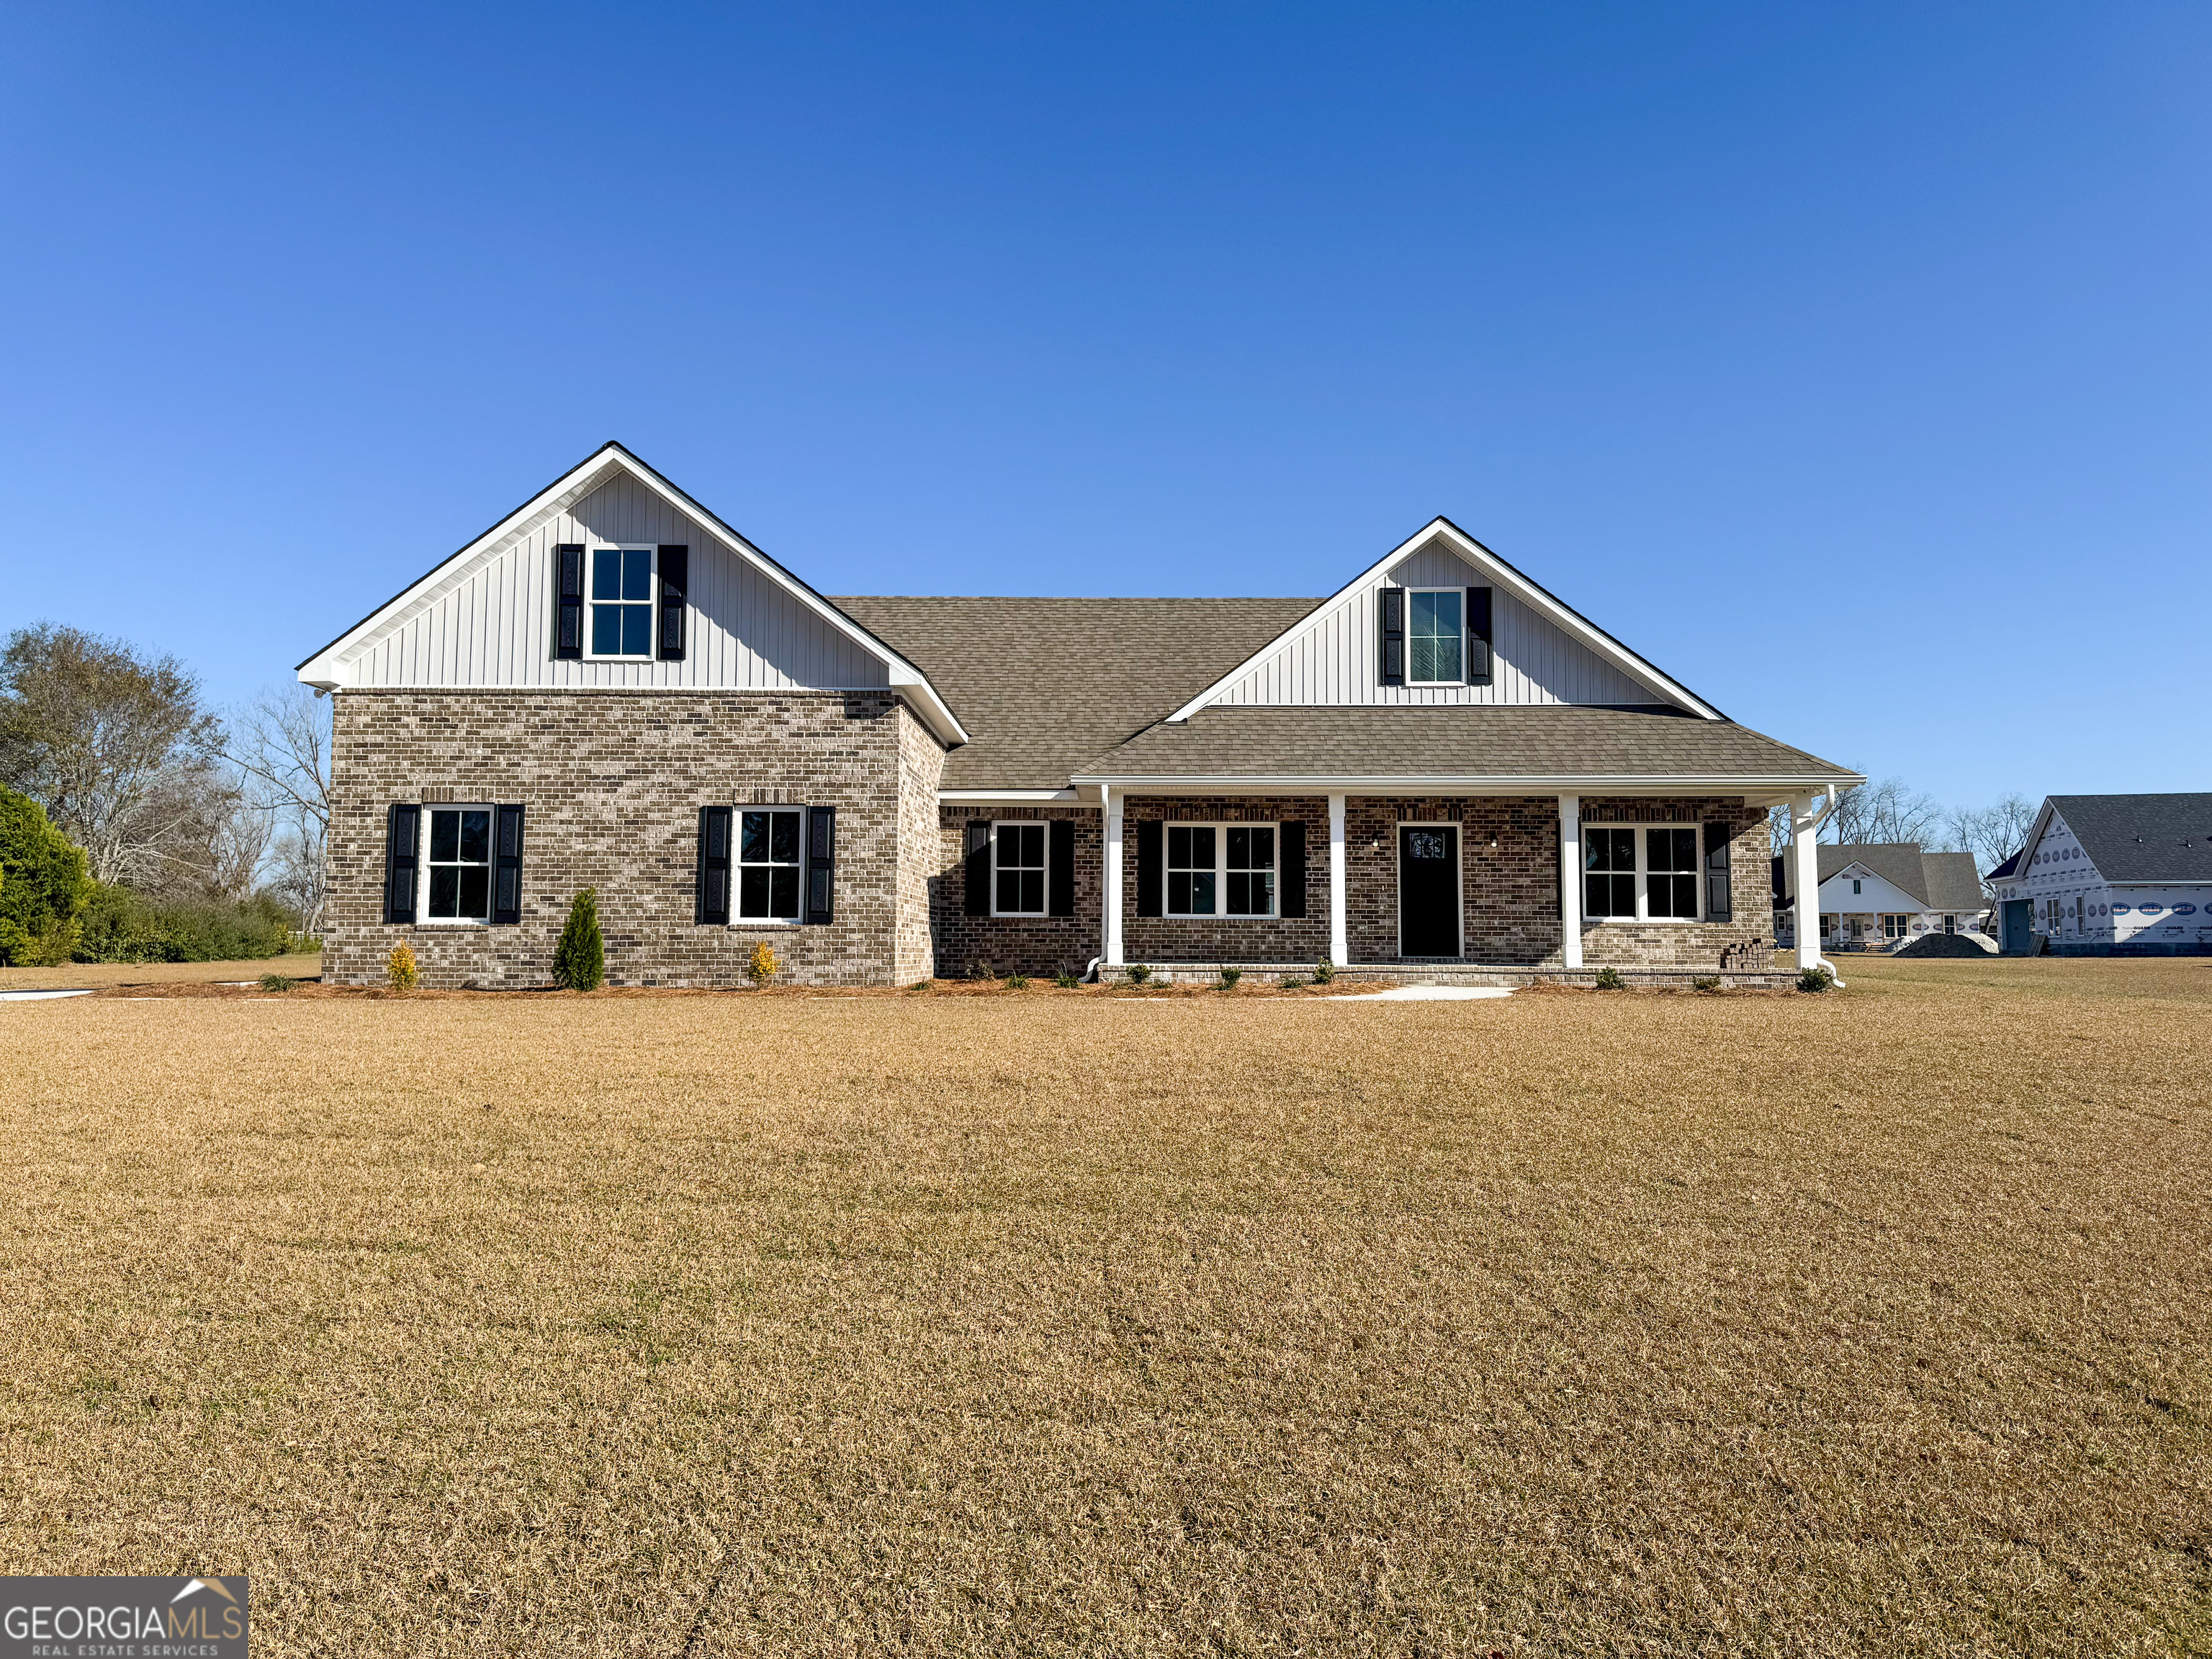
[2138,837]
[1938,881]
[1504,576]
[327,668]
[1045,685]
[1538,746]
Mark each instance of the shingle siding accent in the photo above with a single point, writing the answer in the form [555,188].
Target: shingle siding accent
[613,781]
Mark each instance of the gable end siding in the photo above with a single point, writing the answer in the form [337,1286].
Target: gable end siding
[494,623]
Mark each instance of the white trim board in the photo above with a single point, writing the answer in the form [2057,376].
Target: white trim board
[1503,575]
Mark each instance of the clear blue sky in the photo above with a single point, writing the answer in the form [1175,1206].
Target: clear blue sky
[1851,362]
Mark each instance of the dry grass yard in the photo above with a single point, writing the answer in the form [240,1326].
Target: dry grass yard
[105,974]
[1876,1322]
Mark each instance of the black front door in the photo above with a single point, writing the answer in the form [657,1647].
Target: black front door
[1428,889]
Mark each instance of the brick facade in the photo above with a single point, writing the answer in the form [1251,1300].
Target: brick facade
[1228,938]
[1016,944]
[611,783]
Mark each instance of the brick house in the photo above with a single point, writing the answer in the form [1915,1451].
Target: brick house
[1440,770]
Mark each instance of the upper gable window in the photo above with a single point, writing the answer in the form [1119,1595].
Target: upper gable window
[1436,644]
[622,602]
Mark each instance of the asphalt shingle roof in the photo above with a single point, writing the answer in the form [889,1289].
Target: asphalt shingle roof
[1940,881]
[1045,685]
[2142,837]
[1537,740]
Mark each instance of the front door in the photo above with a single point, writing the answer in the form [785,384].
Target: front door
[2014,940]
[1428,889]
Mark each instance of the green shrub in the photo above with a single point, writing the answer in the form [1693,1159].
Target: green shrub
[1017,981]
[1609,979]
[278,983]
[400,972]
[44,888]
[1230,977]
[1324,970]
[1821,978]
[1066,979]
[1138,972]
[1291,982]
[580,960]
[980,969]
[121,925]
[1706,982]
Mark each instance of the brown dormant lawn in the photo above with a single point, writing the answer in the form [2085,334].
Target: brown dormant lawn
[1042,1323]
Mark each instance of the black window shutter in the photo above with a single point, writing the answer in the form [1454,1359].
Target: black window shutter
[507,872]
[675,577]
[821,863]
[1478,636]
[1152,867]
[401,827]
[1718,906]
[1291,869]
[1060,865]
[568,583]
[1394,635]
[714,872]
[978,861]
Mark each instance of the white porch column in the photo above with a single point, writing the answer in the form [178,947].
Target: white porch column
[1571,881]
[1340,949]
[1805,864]
[1111,809]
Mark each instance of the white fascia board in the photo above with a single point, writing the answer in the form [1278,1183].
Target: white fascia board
[328,669]
[1009,797]
[1503,575]
[1777,788]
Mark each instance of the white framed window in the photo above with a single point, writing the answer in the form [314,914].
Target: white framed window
[619,592]
[1018,851]
[1221,869]
[1436,636]
[457,887]
[1895,927]
[1641,872]
[769,843]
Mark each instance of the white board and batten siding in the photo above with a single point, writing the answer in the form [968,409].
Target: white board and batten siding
[492,623]
[1335,656]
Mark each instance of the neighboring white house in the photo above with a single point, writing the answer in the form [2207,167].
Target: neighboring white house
[2111,875]
[1881,895]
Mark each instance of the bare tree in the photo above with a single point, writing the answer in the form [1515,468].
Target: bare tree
[117,748]
[1993,834]
[1889,811]
[280,744]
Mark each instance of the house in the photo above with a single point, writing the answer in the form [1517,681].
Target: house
[1440,768]
[2111,875]
[1881,895]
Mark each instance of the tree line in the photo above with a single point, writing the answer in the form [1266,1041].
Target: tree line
[138,823]
[1891,809]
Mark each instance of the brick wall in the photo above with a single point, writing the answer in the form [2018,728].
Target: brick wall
[1681,945]
[1016,944]
[1228,938]
[612,783]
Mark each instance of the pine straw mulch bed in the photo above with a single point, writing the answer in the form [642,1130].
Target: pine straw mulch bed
[1871,1322]
[1249,989]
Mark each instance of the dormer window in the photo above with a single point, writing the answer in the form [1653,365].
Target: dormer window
[622,602]
[1435,644]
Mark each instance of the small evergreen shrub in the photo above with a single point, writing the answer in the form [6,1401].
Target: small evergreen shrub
[1066,979]
[580,960]
[1138,972]
[760,966]
[1822,978]
[1324,971]
[1230,975]
[276,982]
[1292,981]
[1609,979]
[1017,981]
[400,972]
[1706,982]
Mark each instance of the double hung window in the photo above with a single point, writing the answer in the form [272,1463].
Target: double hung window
[1221,869]
[1648,874]
[1895,927]
[768,863]
[1435,636]
[459,863]
[1017,877]
[622,602]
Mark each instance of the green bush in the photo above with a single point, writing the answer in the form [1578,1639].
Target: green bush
[121,925]
[1066,979]
[1291,982]
[1324,970]
[580,960]
[278,983]
[1017,981]
[43,886]
[1138,972]
[1609,979]
[1706,982]
[1230,977]
[981,969]
[1822,978]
